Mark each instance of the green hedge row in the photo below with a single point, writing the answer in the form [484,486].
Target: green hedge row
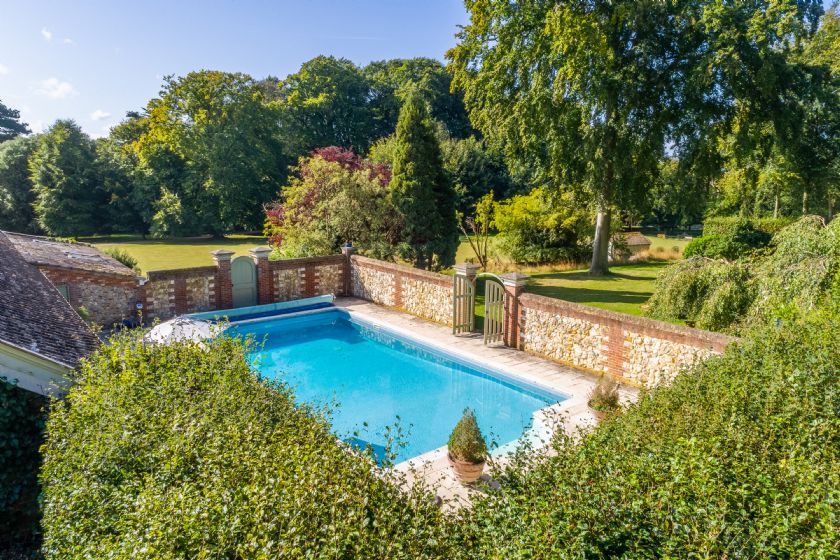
[724,225]
[179,452]
[739,458]
[751,287]
[182,452]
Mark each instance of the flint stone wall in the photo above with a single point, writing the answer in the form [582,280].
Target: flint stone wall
[635,349]
[419,292]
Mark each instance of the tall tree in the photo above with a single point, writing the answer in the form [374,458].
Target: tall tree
[212,142]
[70,198]
[16,193]
[421,191]
[392,80]
[326,103]
[131,188]
[10,123]
[589,93]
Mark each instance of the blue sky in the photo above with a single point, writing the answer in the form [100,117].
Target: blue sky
[94,60]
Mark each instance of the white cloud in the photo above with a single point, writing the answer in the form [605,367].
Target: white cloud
[56,89]
[46,34]
[4,70]
[99,115]
[68,41]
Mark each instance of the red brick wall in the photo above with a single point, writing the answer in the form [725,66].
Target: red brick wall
[419,292]
[173,292]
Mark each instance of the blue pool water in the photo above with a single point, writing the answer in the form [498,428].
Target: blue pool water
[375,377]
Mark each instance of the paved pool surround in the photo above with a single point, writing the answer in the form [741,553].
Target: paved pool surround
[570,414]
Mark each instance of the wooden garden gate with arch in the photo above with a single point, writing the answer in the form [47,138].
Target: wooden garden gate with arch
[463,300]
[243,278]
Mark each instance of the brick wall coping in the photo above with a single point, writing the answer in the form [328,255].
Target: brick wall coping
[641,325]
[181,273]
[283,264]
[409,271]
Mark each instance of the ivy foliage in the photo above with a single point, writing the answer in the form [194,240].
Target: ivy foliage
[182,452]
[22,415]
[738,458]
[731,295]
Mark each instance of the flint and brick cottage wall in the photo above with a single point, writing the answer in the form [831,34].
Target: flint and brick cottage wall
[638,350]
[109,298]
[419,292]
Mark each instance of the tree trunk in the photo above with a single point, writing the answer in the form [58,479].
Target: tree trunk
[776,207]
[601,244]
[804,202]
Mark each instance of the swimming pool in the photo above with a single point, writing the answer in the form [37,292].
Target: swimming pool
[376,377]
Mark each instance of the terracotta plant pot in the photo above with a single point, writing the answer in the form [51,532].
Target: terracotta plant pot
[466,472]
[601,414]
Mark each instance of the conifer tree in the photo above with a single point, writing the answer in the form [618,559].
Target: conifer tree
[421,190]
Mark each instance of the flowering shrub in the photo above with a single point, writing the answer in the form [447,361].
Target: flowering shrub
[336,197]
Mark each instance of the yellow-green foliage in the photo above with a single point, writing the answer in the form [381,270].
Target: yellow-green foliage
[539,228]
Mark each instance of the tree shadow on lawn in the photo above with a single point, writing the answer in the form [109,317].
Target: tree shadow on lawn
[648,272]
[589,295]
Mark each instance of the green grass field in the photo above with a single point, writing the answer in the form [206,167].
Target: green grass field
[166,254]
[624,290]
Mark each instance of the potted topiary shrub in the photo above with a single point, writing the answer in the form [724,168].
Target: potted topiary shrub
[603,400]
[467,449]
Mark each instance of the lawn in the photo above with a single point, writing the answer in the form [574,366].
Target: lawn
[166,254]
[624,290]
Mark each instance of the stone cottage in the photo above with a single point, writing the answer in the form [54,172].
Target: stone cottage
[41,335]
[88,278]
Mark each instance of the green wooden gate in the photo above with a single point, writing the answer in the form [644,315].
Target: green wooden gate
[463,305]
[494,311]
[243,277]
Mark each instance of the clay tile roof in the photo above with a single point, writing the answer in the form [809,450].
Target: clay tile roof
[634,238]
[43,251]
[33,314]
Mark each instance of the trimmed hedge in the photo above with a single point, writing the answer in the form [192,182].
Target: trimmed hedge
[724,225]
[740,240]
[182,452]
[738,458]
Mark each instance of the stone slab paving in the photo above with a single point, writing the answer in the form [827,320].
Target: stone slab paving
[570,414]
